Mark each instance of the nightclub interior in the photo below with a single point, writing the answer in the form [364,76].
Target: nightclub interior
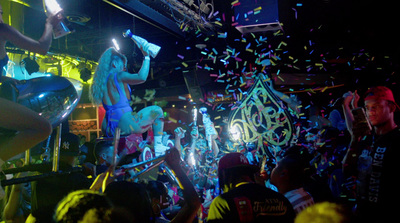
[198,110]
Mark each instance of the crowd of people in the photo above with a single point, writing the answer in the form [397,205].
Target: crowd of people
[328,174]
[340,169]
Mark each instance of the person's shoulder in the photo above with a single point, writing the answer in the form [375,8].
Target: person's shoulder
[272,193]
[393,136]
[4,26]
[255,189]
[219,199]
[268,193]
[4,29]
[218,209]
[396,131]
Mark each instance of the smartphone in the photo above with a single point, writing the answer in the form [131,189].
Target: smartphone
[361,122]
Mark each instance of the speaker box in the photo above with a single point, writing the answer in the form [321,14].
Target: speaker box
[257,16]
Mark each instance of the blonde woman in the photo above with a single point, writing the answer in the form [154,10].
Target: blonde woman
[110,87]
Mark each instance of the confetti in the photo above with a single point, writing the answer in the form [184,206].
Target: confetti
[172,120]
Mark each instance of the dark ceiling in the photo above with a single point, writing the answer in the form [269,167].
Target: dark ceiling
[339,31]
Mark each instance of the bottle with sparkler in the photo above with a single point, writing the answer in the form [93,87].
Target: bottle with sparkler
[63,28]
[195,129]
[194,114]
[208,126]
[153,48]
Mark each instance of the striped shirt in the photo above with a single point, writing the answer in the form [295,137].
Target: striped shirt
[300,199]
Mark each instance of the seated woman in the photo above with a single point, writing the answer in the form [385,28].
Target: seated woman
[30,127]
[110,87]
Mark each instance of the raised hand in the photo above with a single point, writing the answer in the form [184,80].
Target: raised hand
[145,49]
[179,133]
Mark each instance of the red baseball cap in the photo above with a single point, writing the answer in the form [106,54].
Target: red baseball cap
[232,160]
[380,93]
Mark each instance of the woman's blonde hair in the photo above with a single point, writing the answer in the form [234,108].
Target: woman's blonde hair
[99,83]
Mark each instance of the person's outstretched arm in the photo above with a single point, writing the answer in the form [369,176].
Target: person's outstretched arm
[179,134]
[13,203]
[351,158]
[192,200]
[350,101]
[214,146]
[41,46]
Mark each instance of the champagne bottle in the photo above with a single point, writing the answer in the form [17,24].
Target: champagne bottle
[153,48]
[63,28]
[208,125]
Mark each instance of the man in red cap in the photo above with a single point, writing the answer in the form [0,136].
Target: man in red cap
[373,155]
[244,200]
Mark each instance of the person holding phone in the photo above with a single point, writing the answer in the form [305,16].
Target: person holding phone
[371,161]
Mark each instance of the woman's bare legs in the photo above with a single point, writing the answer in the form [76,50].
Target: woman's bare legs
[158,127]
[31,128]
[151,116]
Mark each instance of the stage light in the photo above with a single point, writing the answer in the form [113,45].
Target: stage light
[194,113]
[116,46]
[52,6]
[235,133]
[166,115]
[31,66]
